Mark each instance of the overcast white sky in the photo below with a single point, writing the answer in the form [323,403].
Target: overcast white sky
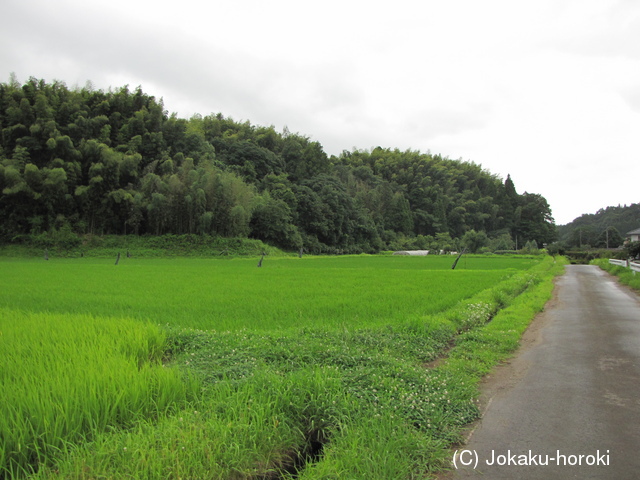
[545,90]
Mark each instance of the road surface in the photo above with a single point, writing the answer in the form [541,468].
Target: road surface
[568,405]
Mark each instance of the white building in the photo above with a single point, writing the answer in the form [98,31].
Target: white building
[634,235]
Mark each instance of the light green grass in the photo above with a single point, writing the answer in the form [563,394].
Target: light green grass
[65,378]
[359,384]
[234,294]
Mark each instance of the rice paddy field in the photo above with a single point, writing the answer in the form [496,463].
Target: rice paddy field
[319,367]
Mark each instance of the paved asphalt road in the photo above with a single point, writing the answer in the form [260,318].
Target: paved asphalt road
[572,390]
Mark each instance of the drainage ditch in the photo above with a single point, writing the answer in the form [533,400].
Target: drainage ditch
[311,453]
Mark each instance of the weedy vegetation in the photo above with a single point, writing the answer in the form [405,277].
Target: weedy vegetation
[625,275]
[212,368]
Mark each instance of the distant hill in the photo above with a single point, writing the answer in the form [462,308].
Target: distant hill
[93,162]
[591,229]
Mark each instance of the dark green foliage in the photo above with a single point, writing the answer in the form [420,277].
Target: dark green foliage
[116,163]
[271,222]
[586,256]
[445,196]
[63,243]
[633,249]
[610,238]
[607,224]
[474,241]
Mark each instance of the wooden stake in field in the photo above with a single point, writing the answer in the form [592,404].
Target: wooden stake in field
[453,267]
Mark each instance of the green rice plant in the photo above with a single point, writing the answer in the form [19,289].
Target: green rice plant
[298,396]
[64,378]
[256,429]
[266,428]
[233,294]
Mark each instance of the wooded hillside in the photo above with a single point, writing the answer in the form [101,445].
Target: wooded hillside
[605,228]
[115,162]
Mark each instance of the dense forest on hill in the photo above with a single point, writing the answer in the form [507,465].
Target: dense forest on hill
[115,162]
[605,228]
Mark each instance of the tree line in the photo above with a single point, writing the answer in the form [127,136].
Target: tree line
[606,228]
[115,162]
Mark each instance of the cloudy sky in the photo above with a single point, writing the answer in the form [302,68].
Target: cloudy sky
[545,90]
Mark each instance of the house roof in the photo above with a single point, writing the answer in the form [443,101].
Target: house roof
[634,232]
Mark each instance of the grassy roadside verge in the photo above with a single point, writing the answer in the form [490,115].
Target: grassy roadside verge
[324,403]
[478,351]
[625,275]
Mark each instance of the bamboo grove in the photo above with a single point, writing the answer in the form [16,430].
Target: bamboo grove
[88,161]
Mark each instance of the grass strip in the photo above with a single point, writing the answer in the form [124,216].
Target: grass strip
[625,275]
[478,351]
[151,246]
